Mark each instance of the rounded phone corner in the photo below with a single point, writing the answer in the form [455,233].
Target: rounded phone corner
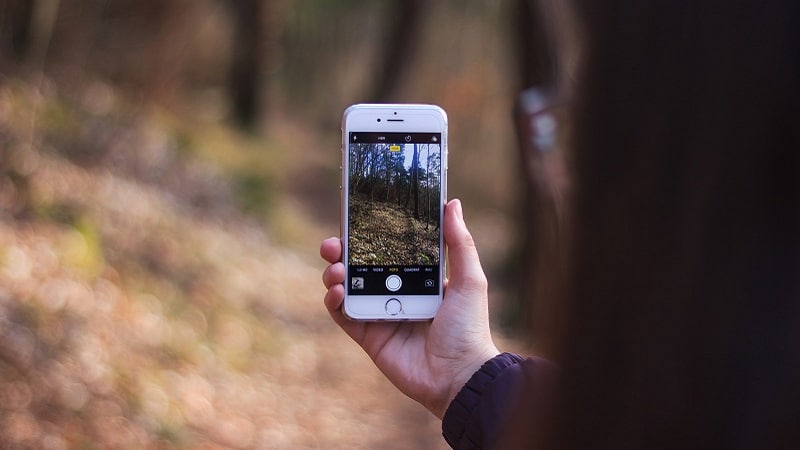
[347,310]
[347,313]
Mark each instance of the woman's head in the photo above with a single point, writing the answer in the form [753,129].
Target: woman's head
[682,295]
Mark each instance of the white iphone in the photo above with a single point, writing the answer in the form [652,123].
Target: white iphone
[394,178]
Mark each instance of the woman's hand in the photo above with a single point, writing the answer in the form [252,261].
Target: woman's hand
[428,361]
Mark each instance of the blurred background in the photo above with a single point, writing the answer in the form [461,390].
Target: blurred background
[167,171]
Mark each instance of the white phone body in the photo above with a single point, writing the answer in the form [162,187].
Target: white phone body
[394,179]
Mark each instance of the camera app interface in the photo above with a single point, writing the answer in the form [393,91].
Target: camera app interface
[394,184]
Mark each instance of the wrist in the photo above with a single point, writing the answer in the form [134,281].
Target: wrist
[460,378]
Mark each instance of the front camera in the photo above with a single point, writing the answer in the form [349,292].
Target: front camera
[379,120]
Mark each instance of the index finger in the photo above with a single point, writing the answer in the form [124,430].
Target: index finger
[331,249]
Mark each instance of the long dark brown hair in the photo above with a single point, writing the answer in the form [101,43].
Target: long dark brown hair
[683,290]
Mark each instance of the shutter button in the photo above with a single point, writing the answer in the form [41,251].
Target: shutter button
[393,283]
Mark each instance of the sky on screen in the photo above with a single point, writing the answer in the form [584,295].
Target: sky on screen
[408,152]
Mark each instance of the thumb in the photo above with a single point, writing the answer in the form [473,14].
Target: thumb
[464,265]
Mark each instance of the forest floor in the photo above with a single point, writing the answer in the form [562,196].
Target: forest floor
[160,287]
[384,233]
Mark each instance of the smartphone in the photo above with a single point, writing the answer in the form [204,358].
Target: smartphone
[394,178]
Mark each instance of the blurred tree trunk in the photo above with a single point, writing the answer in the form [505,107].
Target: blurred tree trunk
[26,28]
[400,42]
[15,22]
[244,82]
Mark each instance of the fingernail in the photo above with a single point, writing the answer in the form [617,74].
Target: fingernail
[459,210]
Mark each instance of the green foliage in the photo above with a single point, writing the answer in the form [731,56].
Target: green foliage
[254,193]
[81,247]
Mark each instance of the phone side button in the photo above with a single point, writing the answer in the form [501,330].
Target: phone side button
[393,307]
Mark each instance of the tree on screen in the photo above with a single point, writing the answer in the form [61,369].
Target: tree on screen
[379,173]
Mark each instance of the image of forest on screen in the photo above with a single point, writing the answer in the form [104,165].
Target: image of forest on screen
[394,197]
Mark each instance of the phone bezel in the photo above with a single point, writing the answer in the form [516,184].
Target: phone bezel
[392,118]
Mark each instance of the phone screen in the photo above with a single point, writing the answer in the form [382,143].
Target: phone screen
[394,200]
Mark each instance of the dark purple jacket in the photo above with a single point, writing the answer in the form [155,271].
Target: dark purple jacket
[476,416]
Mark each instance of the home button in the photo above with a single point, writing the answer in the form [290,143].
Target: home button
[393,307]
